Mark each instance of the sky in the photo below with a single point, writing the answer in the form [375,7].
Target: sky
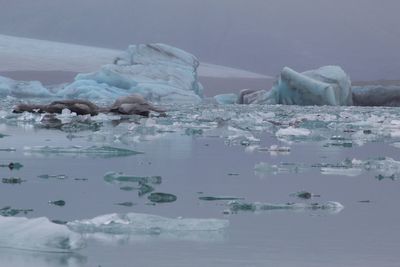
[362,36]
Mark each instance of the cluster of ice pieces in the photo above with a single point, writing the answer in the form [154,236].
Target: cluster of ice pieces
[159,72]
[382,167]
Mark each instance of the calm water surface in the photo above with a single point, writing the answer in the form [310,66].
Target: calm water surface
[194,165]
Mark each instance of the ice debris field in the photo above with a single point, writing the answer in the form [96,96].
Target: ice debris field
[111,178]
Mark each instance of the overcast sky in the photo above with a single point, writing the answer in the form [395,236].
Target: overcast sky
[363,36]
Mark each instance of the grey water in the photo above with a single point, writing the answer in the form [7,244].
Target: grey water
[212,151]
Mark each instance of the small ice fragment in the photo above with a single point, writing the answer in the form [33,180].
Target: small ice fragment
[341,171]
[217,198]
[162,197]
[53,176]
[59,203]
[119,177]
[12,180]
[11,149]
[145,189]
[100,151]
[291,131]
[8,211]
[15,165]
[127,188]
[381,177]
[126,204]
[304,195]
[264,168]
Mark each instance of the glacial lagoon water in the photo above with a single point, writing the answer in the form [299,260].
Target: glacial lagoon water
[261,155]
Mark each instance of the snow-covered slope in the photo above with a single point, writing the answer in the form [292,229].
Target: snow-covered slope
[17,53]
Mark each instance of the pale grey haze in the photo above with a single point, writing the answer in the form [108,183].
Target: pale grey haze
[363,36]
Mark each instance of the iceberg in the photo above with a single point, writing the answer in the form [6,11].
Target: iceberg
[328,85]
[38,234]
[158,72]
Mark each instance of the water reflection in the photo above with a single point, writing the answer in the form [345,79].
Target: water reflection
[23,258]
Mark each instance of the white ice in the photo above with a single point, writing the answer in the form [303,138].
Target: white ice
[136,226]
[37,234]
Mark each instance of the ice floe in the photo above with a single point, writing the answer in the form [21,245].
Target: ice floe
[136,225]
[38,234]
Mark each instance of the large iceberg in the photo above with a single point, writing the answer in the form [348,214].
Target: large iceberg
[158,72]
[328,85]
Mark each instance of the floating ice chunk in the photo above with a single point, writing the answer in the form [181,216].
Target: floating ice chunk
[264,168]
[37,234]
[219,198]
[275,150]
[304,195]
[119,177]
[327,85]
[162,197]
[12,180]
[226,99]
[341,171]
[96,151]
[291,131]
[331,206]
[144,224]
